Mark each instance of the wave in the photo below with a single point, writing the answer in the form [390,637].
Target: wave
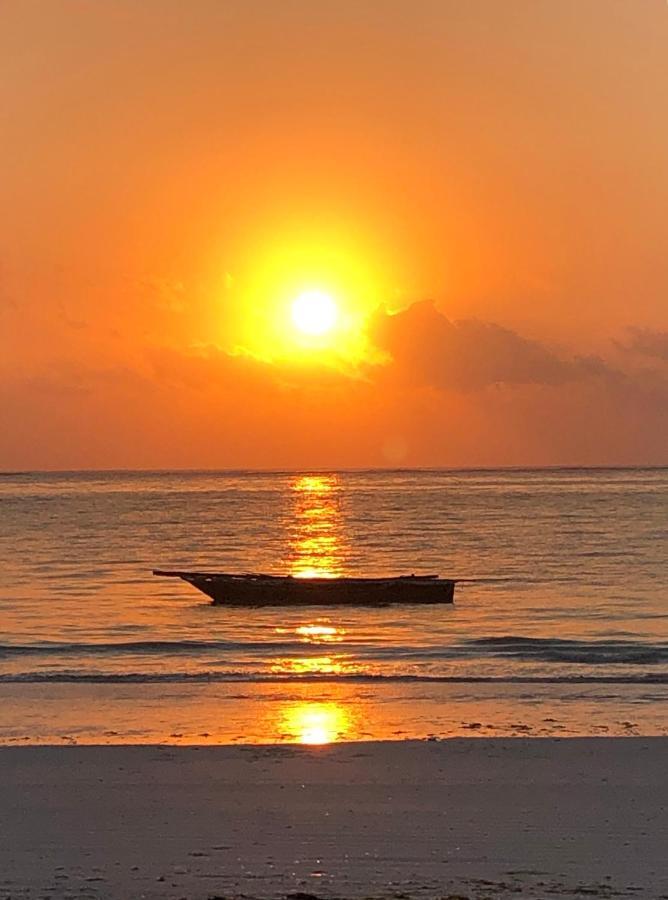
[561,650]
[292,678]
[519,647]
[53,648]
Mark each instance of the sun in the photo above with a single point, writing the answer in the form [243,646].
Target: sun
[314,313]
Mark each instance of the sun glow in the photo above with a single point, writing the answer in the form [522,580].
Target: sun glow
[314,313]
[306,299]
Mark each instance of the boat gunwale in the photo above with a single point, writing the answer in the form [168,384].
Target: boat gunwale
[309,580]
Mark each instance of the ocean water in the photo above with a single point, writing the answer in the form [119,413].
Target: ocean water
[560,621]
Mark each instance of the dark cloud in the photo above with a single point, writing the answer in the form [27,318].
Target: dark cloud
[646,342]
[428,348]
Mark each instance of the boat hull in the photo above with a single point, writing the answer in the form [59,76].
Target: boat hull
[266,590]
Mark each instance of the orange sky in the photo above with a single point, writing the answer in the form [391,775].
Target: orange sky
[482,185]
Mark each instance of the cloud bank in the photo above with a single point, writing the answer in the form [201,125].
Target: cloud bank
[452,393]
[427,348]
[647,342]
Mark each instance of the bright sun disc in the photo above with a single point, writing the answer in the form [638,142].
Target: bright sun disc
[314,313]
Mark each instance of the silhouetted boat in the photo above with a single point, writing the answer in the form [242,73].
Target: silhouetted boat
[286,590]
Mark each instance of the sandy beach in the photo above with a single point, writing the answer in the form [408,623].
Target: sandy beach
[460,818]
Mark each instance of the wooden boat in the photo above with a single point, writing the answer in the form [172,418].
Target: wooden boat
[286,590]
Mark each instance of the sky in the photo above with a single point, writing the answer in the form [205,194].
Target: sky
[480,188]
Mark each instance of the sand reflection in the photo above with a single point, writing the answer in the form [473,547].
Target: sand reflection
[316,548]
[315,723]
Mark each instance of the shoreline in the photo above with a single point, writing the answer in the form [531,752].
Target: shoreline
[465,817]
[234,714]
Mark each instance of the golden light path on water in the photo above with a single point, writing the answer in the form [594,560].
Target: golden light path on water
[316,543]
[313,665]
[316,550]
[329,664]
[324,633]
[315,633]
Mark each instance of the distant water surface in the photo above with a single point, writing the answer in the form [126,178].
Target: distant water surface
[561,617]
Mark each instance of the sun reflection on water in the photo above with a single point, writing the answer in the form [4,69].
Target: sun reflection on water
[317,549]
[314,665]
[315,484]
[315,632]
[316,539]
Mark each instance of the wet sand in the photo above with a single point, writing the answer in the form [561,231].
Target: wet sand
[466,818]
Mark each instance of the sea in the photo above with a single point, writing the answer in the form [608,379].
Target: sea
[559,626]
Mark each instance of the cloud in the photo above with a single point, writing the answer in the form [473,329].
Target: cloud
[428,348]
[420,347]
[166,294]
[205,407]
[70,379]
[646,342]
[210,367]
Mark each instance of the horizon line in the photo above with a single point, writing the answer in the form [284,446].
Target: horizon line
[6,473]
